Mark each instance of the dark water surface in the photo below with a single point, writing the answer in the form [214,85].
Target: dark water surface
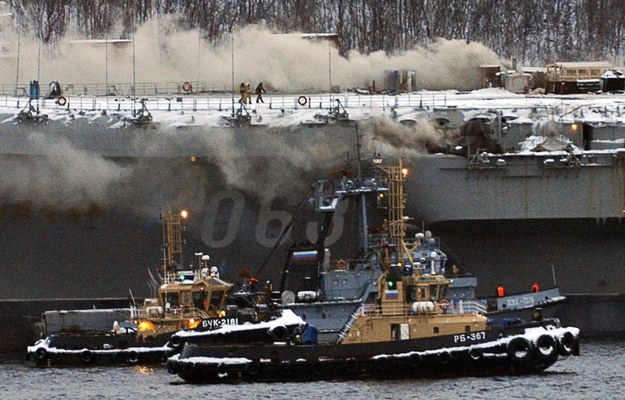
[599,373]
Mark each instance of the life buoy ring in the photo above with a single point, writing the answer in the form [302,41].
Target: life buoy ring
[341,264]
[351,365]
[87,356]
[187,87]
[567,344]
[61,101]
[519,350]
[546,347]
[302,100]
[41,354]
[133,357]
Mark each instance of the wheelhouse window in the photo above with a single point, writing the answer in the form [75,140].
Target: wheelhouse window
[216,299]
[200,300]
[172,299]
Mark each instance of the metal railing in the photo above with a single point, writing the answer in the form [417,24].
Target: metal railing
[216,102]
[466,307]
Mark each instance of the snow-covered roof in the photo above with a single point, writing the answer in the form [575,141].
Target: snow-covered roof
[582,64]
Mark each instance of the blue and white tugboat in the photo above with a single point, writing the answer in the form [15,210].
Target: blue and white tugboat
[194,298]
[399,327]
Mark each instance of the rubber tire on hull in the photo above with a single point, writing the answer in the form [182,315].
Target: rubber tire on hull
[519,351]
[87,356]
[186,370]
[567,344]
[279,333]
[445,357]
[476,354]
[351,365]
[133,357]
[172,368]
[41,354]
[381,364]
[414,361]
[175,342]
[546,349]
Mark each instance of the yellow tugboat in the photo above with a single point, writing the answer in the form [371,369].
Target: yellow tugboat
[402,330]
[185,299]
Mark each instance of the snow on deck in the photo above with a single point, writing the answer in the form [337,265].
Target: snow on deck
[284,110]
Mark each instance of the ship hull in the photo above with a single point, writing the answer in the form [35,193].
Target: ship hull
[508,225]
[475,354]
[522,222]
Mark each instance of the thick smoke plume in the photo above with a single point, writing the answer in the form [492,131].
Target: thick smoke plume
[266,165]
[285,62]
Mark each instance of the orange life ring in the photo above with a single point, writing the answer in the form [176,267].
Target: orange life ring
[187,87]
[61,101]
[341,264]
[302,100]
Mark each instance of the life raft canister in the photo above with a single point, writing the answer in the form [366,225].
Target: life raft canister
[302,100]
[187,87]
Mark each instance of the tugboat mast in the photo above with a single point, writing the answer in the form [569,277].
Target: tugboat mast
[363,206]
[172,235]
[396,204]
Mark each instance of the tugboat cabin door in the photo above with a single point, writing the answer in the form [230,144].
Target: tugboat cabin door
[400,332]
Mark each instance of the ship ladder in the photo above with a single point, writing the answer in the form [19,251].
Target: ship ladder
[348,325]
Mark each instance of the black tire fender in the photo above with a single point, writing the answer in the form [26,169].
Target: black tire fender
[284,369]
[445,357]
[476,353]
[175,342]
[252,369]
[172,368]
[519,350]
[546,347]
[187,369]
[41,354]
[87,356]
[414,360]
[351,365]
[279,333]
[567,344]
[133,357]
[381,364]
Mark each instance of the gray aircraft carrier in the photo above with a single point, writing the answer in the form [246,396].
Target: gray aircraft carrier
[84,182]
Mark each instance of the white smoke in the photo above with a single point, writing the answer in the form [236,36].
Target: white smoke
[163,52]
[267,165]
